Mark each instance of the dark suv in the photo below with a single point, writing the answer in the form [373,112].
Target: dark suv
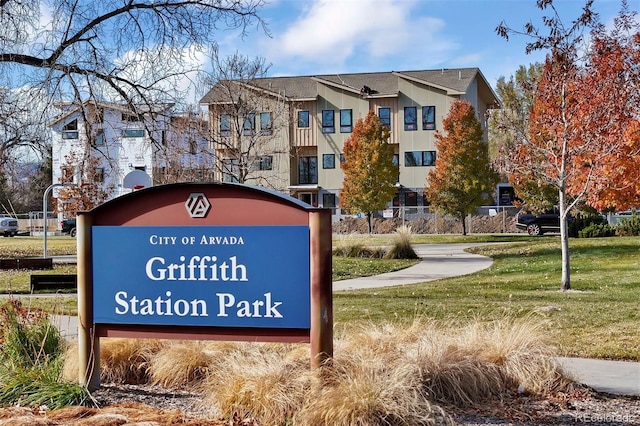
[68,226]
[539,224]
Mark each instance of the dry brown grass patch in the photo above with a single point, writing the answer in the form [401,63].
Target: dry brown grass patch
[127,360]
[179,364]
[380,374]
[366,390]
[258,383]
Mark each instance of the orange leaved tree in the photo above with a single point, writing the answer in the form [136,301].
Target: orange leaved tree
[463,173]
[370,174]
[584,136]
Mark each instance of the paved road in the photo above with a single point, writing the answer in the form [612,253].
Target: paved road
[447,260]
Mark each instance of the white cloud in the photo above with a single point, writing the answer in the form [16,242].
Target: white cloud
[334,32]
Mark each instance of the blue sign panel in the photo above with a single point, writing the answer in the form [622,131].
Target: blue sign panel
[227,276]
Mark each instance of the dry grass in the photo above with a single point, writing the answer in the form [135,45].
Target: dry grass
[180,363]
[260,382]
[380,374]
[121,360]
[401,245]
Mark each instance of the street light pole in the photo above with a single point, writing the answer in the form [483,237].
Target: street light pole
[44,210]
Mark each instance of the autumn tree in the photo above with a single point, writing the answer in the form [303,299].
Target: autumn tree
[463,174]
[86,171]
[583,137]
[508,126]
[370,174]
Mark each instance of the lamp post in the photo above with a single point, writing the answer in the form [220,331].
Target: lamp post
[44,210]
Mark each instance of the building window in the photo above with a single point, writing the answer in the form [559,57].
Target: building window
[70,130]
[345,121]
[133,133]
[328,124]
[329,200]
[130,118]
[428,118]
[99,138]
[410,198]
[230,170]
[341,158]
[308,170]
[419,158]
[225,125]
[266,124]
[384,114]
[264,163]
[249,126]
[303,119]
[98,174]
[328,161]
[410,118]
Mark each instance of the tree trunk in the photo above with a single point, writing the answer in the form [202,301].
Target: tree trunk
[464,224]
[369,222]
[565,283]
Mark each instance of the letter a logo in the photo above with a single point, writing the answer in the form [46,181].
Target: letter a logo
[198,205]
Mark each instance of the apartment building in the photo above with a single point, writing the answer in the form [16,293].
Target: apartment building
[307,119]
[115,150]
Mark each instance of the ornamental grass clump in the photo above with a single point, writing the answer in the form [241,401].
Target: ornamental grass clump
[364,389]
[31,361]
[384,373]
[401,246]
[179,364]
[259,382]
[127,360]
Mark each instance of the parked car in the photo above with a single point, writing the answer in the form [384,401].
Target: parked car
[8,226]
[539,224]
[68,226]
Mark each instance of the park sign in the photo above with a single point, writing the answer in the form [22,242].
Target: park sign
[231,276]
[204,261]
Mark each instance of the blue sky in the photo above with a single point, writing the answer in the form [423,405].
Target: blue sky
[344,36]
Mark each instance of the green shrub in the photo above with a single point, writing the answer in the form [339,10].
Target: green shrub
[597,230]
[36,386]
[29,337]
[31,361]
[629,227]
[582,221]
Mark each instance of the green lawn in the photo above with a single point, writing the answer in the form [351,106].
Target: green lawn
[599,318]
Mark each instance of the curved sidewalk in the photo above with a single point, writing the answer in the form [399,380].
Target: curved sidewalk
[449,260]
[438,261]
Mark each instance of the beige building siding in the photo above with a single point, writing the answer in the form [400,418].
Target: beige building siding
[331,144]
[417,95]
[391,103]
[305,136]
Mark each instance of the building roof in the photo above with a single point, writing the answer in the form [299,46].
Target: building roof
[374,84]
[69,108]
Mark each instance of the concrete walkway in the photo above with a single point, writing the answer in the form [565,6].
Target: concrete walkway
[448,260]
[438,261]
